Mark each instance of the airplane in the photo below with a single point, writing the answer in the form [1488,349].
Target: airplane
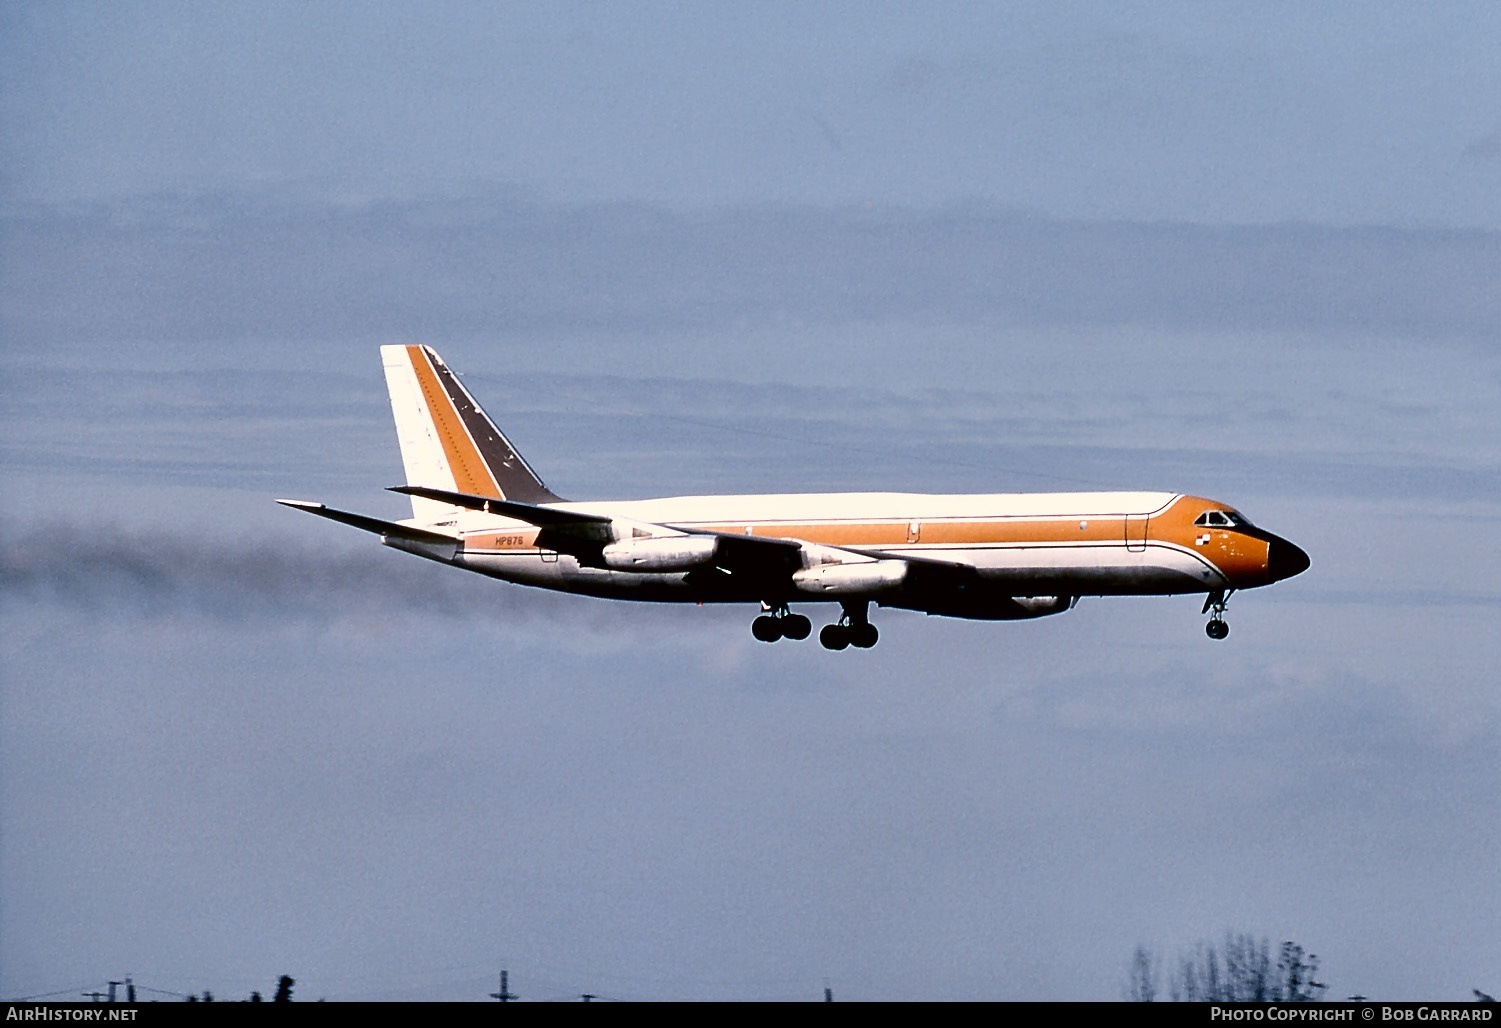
[478,505]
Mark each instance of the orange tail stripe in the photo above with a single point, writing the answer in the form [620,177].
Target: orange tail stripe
[470,473]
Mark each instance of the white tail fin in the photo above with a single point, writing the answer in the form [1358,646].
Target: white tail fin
[447,440]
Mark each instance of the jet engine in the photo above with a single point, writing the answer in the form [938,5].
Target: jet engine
[668,553]
[844,579]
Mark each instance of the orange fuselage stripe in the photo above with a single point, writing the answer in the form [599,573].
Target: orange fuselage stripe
[1241,558]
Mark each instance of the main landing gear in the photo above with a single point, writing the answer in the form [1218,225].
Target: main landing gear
[780,623]
[852,629]
[1216,601]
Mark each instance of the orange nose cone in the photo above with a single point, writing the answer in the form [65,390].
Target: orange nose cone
[1284,560]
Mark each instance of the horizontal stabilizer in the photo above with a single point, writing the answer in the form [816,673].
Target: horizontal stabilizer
[389,529]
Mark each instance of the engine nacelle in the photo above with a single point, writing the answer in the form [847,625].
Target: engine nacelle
[844,579]
[669,553]
[1041,606]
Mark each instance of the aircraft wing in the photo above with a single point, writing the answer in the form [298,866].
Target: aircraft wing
[584,535]
[753,558]
[927,570]
[743,557]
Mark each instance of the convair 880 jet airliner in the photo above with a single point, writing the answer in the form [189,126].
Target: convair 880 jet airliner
[478,505]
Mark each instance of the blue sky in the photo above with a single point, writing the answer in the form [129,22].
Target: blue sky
[1207,113]
[1247,254]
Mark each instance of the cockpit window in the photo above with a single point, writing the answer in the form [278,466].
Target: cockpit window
[1220,519]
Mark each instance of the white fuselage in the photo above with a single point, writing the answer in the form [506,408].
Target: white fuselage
[1023,544]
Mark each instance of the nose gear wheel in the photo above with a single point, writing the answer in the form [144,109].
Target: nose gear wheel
[1216,602]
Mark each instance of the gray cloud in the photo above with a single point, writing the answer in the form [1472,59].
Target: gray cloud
[327,432]
[232,267]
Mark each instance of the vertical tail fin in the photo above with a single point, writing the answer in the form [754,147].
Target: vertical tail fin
[447,440]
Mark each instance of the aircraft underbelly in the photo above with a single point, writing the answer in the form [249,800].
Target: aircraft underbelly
[1088,570]
[1004,571]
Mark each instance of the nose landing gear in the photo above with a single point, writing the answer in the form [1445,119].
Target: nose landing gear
[1216,602]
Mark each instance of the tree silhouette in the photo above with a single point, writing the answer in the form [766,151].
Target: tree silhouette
[1240,971]
[1142,986]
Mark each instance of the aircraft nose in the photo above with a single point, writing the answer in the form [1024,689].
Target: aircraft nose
[1284,560]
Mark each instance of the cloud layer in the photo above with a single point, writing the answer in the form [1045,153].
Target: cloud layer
[221,268]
